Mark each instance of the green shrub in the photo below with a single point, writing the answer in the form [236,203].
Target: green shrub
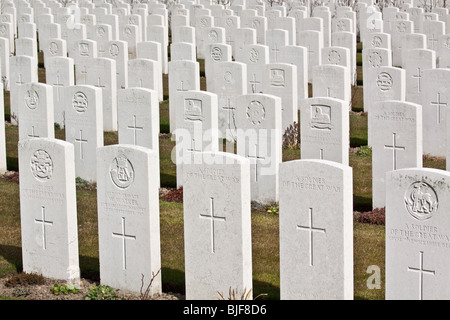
[364,151]
[102,292]
[57,289]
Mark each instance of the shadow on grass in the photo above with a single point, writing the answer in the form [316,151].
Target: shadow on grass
[362,204]
[357,142]
[173,280]
[168,180]
[270,291]
[13,255]
[164,127]
[12,163]
[89,268]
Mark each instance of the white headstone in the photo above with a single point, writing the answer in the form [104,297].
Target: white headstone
[280,79]
[259,134]
[196,127]
[101,73]
[59,73]
[332,81]
[145,73]
[435,102]
[184,75]
[138,118]
[387,83]
[230,82]
[396,142]
[416,234]
[118,51]
[312,41]
[35,109]
[316,230]
[325,129]
[256,57]
[217,216]
[414,63]
[22,70]
[128,218]
[83,116]
[48,209]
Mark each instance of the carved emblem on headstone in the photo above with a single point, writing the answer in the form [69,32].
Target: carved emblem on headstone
[375,60]
[193,110]
[121,171]
[101,31]
[321,117]
[32,99]
[216,53]
[334,57]
[83,48]
[41,165]
[253,55]
[53,48]
[384,81]
[421,200]
[277,77]
[114,50]
[256,113]
[79,102]
[377,41]
[213,35]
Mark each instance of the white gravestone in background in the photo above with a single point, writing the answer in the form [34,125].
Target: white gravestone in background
[259,134]
[396,142]
[36,111]
[138,119]
[196,128]
[435,102]
[84,127]
[325,129]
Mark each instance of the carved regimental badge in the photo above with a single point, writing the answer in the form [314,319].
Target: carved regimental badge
[421,200]
[32,99]
[256,113]
[121,171]
[79,102]
[41,165]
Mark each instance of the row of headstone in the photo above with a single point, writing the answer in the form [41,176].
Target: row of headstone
[315,224]
[406,111]
[217,221]
[82,113]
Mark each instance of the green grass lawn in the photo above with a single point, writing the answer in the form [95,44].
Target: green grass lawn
[368,239]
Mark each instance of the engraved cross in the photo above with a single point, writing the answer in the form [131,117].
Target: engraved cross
[57,85]
[256,157]
[135,128]
[124,236]
[253,82]
[311,229]
[394,148]
[212,218]
[438,104]
[44,223]
[32,134]
[421,272]
[80,141]
[418,76]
